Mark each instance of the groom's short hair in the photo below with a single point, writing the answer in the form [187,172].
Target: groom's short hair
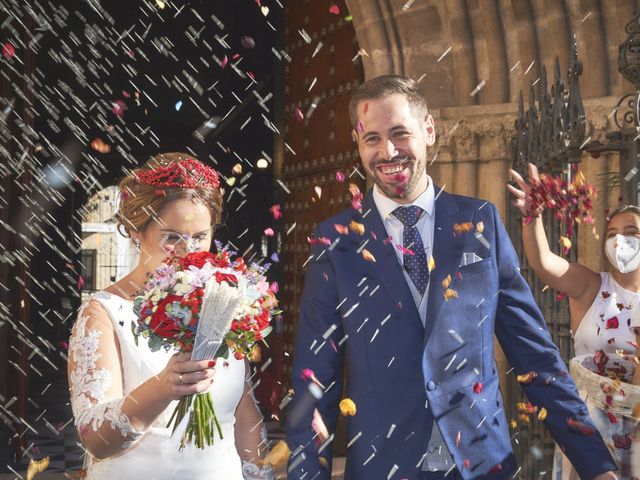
[384,86]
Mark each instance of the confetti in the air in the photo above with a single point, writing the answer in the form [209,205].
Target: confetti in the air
[347,407]
[8,51]
[366,254]
[276,211]
[247,42]
[100,145]
[356,227]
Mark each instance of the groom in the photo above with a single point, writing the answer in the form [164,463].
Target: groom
[413,293]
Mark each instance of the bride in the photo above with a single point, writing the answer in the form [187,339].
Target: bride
[122,394]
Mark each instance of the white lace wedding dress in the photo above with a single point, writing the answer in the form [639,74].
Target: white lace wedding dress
[153,454]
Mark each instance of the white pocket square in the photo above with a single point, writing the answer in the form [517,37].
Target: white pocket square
[469,258]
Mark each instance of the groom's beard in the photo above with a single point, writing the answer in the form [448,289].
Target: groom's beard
[402,184]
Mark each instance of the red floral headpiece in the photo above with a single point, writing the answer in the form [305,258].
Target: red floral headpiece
[188,173]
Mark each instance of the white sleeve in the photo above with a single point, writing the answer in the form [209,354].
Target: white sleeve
[96,400]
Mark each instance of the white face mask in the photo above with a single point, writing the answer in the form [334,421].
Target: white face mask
[623,251]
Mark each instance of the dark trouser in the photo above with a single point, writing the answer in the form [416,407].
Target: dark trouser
[453,475]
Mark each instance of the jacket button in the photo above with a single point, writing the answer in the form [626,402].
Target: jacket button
[431,385]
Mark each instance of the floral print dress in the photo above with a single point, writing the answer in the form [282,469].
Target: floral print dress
[602,369]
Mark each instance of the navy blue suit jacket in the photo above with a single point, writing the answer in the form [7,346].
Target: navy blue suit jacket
[403,376]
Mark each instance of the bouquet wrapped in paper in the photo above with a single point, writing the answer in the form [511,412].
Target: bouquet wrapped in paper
[209,305]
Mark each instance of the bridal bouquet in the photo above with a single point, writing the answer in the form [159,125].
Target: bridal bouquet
[207,304]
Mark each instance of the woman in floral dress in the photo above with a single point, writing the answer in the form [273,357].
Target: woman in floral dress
[602,307]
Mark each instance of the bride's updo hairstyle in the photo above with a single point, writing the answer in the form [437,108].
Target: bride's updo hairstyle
[165,178]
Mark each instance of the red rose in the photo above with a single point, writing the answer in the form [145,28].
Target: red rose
[226,277]
[197,259]
[240,265]
[160,324]
[612,323]
[262,319]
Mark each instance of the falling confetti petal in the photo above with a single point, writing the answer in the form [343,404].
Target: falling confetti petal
[460,228]
[178,105]
[450,293]
[100,145]
[8,51]
[308,374]
[275,211]
[36,466]
[334,9]
[341,229]
[347,407]
[269,232]
[366,254]
[356,227]
[318,191]
[247,42]
[340,177]
[118,108]
[298,114]
[526,378]
[319,241]
[405,250]
[432,263]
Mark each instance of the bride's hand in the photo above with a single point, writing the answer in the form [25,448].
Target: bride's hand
[522,199]
[183,376]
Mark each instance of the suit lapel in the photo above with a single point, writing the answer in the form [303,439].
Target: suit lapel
[387,267]
[446,252]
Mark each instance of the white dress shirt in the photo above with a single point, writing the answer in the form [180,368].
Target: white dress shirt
[395,229]
[437,457]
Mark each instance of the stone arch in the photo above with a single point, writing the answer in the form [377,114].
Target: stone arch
[503,42]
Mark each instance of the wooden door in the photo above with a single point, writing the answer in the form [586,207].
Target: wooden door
[317,144]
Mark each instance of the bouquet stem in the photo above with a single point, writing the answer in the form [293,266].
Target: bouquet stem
[201,423]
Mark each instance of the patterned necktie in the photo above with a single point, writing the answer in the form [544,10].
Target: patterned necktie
[415,261]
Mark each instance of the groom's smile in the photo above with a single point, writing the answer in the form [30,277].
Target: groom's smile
[392,141]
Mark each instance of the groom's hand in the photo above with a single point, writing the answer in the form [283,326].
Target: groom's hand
[606,476]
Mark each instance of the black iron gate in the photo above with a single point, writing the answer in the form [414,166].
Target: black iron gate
[548,134]
[551,135]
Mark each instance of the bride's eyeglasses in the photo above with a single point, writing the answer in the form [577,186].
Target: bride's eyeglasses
[172,240]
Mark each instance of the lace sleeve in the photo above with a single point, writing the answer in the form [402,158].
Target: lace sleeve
[95,380]
[251,437]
